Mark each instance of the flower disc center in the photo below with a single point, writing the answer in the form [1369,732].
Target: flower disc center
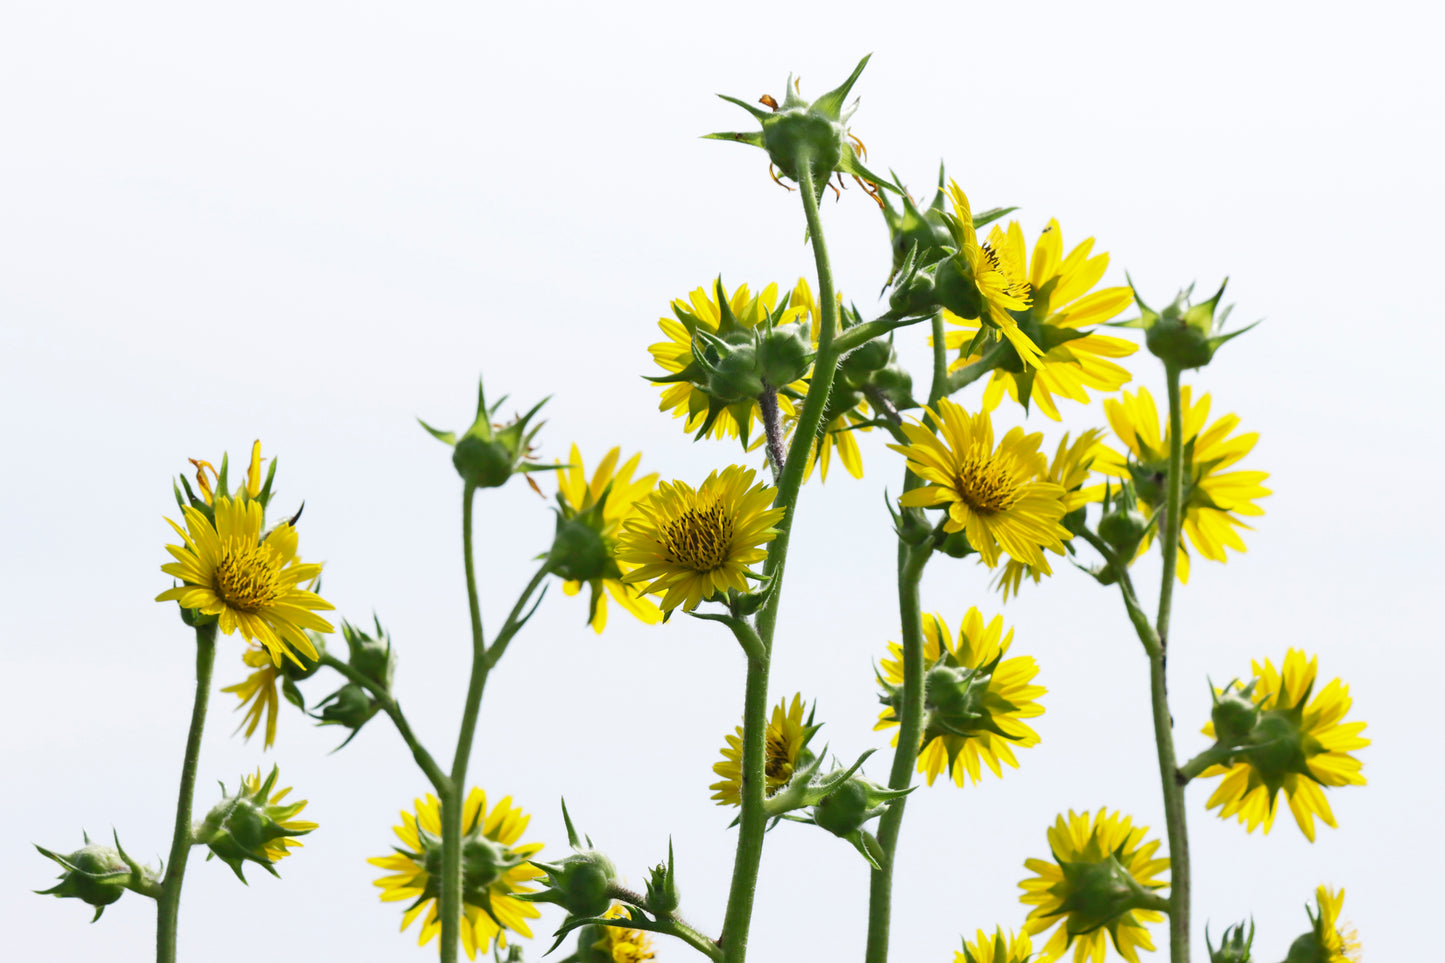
[700,539]
[984,484]
[246,577]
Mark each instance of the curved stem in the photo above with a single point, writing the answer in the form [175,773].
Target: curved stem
[168,906]
[911,561]
[753,820]
[392,708]
[1169,776]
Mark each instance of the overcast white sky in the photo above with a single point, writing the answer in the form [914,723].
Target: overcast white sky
[312,222]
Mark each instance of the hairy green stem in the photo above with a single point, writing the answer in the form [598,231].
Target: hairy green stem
[483,659]
[439,780]
[911,561]
[168,906]
[752,822]
[1169,776]
[1142,627]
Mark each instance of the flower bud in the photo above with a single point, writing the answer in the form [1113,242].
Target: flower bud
[864,360]
[1233,947]
[1124,528]
[955,544]
[785,353]
[662,894]
[1235,714]
[372,656]
[350,706]
[96,875]
[1184,335]
[1100,892]
[487,454]
[253,825]
[579,552]
[582,883]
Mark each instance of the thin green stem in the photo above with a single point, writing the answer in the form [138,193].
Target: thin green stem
[392,708]
[752,823]
[970,373]
[1170,778]
[1213,756]
[168,906]
[911,561]
[1120,567]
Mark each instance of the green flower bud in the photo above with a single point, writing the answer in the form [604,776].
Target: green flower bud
[896,384]
[845,809]
[579,552]
[253,825]
[372,656]
[1184,335]
[487,454]
[1233,947]
[923,233]
[955,544]
[1235,714]
[1124,528]
[96,875]
[956,292]
[797,132]
[1100,892]
[292,672]
[736,374]
[662,895]
[582,883]
[864,360]
[785,353]
[350,706]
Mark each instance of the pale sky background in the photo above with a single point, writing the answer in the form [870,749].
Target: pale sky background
[313,222]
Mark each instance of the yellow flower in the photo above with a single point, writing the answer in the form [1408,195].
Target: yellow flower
[280,847]
[786,739]
[1072,360]
[975,700]
[259,690]
[691,544]
[249,582]
[1069,470]
[580,495]
[1214,499]
[1307,745]
[994,273]
[708,312]
[1101,873]
[493,868]
[998,948]
[1326,942]
[992,495]
[619,944]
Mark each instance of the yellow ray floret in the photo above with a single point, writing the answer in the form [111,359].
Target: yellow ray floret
[787,734]
[247,581]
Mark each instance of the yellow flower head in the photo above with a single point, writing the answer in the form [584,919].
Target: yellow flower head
[1214,499]
[581,497]
[727,316]
[1073,360]
[1069,470]
[998,948]
[272,802]
[258,694]
[993,495]
[1327,941]
[247,580]
[975,700]
[786,740]
[620,944]
[692,544]
[254,825]
[494,867]
[1101,873]
[994,274]
[1303,743]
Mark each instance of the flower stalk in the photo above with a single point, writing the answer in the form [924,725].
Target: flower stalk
[168,905]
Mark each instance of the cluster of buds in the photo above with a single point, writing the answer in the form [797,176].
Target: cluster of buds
[99,875]
[373,658]
[253,825]
[488,454]
[871,373]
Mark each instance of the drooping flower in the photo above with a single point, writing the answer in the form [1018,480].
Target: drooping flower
[1214,499]
[247,580]
[601,504]
[975,700]
[786,746]
[1063,304]
[1070,469]
[258,694]
[1296,745]
[692,544]
[621,944]
[996,948]
[987,282]
[1328,940]
[494,867]
[1099,885]
[994,495]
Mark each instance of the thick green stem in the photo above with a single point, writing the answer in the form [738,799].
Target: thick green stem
[753,820]
[389,705]
[168,906]
[911,561]
[1169,775]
